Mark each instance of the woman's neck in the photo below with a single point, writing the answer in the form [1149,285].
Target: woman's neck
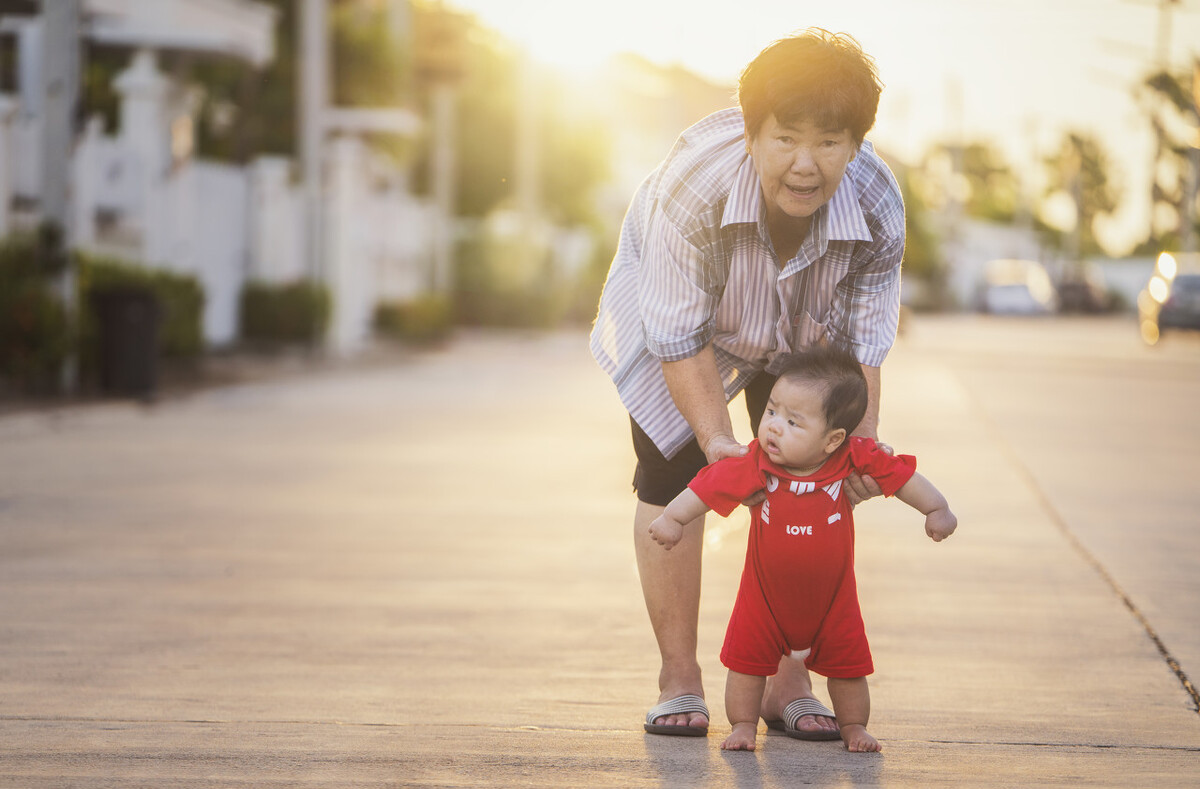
[787,234]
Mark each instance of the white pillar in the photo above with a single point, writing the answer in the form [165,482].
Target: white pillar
[442,97]
[145,134]
[269,201]
[8,110]
[29,64]
[313,90]
[86,175]
[348,272]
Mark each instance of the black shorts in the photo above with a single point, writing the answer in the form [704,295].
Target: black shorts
[657,480]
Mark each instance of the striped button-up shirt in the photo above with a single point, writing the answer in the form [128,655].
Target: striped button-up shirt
[695,265]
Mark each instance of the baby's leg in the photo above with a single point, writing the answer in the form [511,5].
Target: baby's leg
[852,705]
[743,700]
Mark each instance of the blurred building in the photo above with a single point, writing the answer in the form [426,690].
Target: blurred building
[142,195]
[648,106]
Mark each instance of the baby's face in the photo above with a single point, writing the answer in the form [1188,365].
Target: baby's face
[793,431]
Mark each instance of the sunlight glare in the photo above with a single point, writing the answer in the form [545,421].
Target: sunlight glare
[1149,332]
[1167,266]
[1158,289]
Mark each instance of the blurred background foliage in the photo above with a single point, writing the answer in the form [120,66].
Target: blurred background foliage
[247,112]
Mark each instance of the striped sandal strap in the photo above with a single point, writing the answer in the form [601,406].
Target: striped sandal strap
[793,712]
[682,705]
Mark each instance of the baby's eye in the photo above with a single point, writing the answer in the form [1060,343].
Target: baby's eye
[791,423]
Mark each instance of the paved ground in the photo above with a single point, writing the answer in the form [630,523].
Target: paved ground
[419,575]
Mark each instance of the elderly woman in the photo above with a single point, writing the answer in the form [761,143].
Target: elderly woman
[767,228]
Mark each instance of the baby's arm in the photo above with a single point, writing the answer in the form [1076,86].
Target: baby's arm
[920,494]
[667,529]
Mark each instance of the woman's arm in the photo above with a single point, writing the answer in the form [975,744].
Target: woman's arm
[869,426]
[695,386]
[861,488]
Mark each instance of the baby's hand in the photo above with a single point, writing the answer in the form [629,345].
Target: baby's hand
[666,532]
[940,524]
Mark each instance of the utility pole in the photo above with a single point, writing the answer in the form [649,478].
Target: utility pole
[60,70]
[1163,51]
[1188,212]
[440,63]
[1164,32]
[314,101]
[527,169]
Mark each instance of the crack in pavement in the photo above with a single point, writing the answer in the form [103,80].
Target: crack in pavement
[1061,523]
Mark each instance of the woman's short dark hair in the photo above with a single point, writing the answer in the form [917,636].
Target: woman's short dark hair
[821,77]
[837,371]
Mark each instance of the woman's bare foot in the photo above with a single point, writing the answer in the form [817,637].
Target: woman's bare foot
[742,738]
[858,740]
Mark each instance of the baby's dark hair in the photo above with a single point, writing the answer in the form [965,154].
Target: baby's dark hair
[835,369]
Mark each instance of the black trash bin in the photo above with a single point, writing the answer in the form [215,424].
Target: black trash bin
[128,320]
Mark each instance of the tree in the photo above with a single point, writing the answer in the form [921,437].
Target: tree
[994,193]
[573,151]
[1170,101]
[975,175]
[1077,181]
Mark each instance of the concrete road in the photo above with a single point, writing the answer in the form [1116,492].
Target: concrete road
[420,574]
[1108,432]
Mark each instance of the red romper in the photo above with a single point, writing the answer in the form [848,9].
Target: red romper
[798,591]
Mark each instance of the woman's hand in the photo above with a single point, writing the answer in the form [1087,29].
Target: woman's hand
[723,446]
[859,489]
[728,447]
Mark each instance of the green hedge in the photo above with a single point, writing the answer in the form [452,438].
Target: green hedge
[35,335]
[424,319]
[297,312]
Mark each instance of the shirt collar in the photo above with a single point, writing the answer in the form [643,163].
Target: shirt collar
[840,220]
[745,198]
[844,221]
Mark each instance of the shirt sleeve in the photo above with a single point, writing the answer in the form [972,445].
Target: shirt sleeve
[727,483]
[678,313]
[866,307]
[890,471]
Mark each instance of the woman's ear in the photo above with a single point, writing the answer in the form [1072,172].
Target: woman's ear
[834,439]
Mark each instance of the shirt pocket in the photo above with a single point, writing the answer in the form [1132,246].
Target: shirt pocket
[808,330]
[812,305]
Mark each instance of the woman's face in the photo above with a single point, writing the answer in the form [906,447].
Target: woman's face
[799,166]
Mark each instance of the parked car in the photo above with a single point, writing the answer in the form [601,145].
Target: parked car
[1017,287]
[1083,289]
[1171,298]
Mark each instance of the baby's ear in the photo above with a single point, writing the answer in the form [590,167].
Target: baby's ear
[834,439]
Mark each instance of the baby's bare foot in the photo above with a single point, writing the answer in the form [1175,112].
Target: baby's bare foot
[858,740]
[742,738]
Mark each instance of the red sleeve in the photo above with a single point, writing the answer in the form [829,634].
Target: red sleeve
[890,471]
[725,484]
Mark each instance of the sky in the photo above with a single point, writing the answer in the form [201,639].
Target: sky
[1016,73]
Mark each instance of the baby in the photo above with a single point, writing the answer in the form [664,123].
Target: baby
[798,595]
